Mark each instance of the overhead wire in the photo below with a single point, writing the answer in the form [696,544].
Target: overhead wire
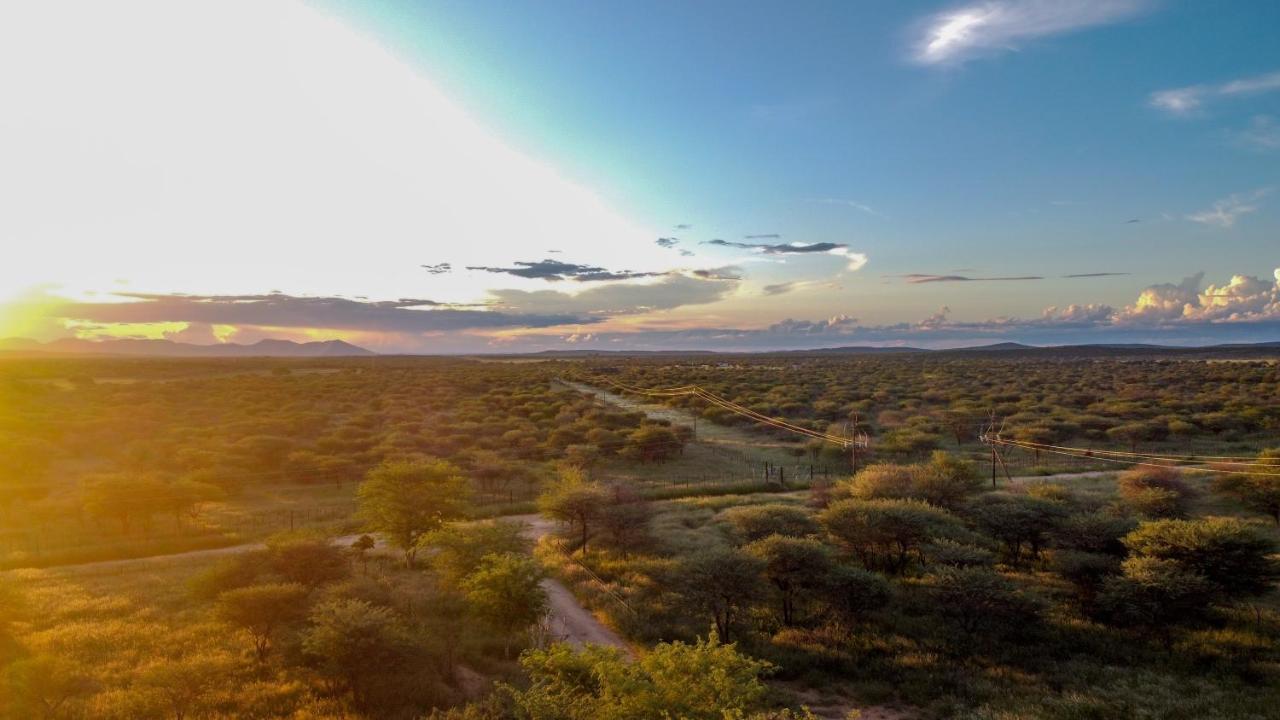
[1080,453]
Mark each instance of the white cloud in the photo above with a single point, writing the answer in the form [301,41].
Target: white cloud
[1262,134]
[856,260]
[1226,211]
[960,33]
[1184,100]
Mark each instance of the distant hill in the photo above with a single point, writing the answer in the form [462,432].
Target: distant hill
[168,348]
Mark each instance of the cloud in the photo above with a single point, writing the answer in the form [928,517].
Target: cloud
[1245,309]
[675,290]
[1096,274]
[854,261]
[966,31]
[277,310]
[1225,212]
[765,236]
[684,226]
[1242,299]
[1263,134]
[920,278]
[1184,100]
[783,288]
[728,272]
[438,268]
[556,271]
[779,249]
[846,203]
[667,242]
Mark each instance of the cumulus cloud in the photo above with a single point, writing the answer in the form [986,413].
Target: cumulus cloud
[1242,299]
[556,271]
[277,310]
[1184,100]
[966,31]
[1226,211]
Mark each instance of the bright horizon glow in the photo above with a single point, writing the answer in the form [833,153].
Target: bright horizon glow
[242,147]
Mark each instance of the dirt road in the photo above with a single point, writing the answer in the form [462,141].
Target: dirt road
[568,620]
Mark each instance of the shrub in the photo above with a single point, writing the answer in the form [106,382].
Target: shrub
[1156,492]
[756,522]
[1228,553]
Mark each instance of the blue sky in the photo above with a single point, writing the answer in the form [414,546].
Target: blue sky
[1137,142]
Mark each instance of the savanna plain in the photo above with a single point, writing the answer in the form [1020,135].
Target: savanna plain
[770,537]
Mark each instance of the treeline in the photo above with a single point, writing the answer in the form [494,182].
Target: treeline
[124,454]
[914,404]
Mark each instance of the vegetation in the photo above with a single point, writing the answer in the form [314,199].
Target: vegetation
[362,573]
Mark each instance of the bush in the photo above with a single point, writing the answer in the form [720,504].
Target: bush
[1228,553]
[887,533]
[979,599]
[756,522]
[1155,492]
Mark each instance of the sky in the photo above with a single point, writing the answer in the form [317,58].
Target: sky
[475,176]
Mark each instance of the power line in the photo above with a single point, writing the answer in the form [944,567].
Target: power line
[1082,453]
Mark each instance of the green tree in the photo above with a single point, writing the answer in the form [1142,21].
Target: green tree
[506,591]
[851,592]
[125,498]
[574,500]
[706,680]
[1228,553]
[756,522]
[1018,521]
[461,547]
[887,532]
[263,611]
[796,566]
[979,599]
[1154,594]
[1259,489]
[354,643]
[720,582]
[406,500]
[945,481]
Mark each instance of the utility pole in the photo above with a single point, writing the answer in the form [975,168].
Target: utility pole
[849,429]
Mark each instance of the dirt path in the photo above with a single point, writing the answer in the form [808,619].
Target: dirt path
[568,620]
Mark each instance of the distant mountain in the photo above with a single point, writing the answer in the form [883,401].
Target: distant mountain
[998,347]
[168,348]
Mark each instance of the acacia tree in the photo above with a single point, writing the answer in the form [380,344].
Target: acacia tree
[720,582]
[574,500]
[1228,553]
[406,500]
[886,532]
[263,611]
[795,566]
[757,522]
[354,642]
[1258,491]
